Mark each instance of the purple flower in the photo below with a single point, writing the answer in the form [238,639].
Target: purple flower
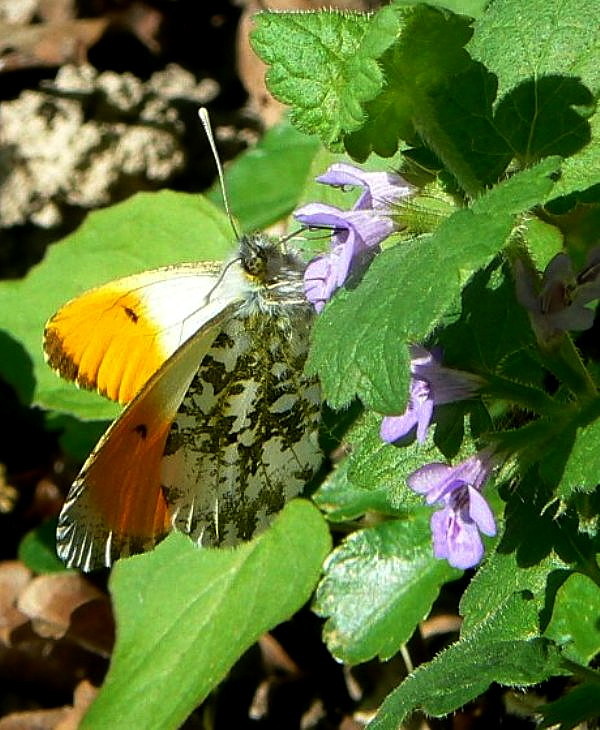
[464,514]
[356,234]
[380,189]
[557,304]
[431,385]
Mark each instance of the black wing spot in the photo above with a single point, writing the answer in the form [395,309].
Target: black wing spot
[142,430]
[133,316]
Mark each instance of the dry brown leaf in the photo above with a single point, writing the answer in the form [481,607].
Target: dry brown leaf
[93,627]
[14,577]
[85,693]
[8,493]
[143,21]
[50,600]
[46,502]
[275,657]
[251,71]
[48,44]
[33,720]
[445,623]
[59,718]
[57,11]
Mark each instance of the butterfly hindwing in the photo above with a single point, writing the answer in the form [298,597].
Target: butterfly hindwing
[116,506]
[244,440]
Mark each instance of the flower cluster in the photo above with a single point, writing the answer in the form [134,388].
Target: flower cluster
[356,237]
[457,490]
[356,233]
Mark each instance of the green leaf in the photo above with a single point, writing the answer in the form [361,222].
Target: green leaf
[580,171]
[572,710]
[77,438]
[375,464]
[360,340]
[543,241]
[342,501]
[471,343]
[574,623]
[533,40]
[16,366]
[541,535]
[429,51]
[435,95]
[473,8]
[265,183]
[186,615]
[545,56]
[582,461]
[38,549]
[464,111]
[378,584]
[468,667]
[319,64]
[503,575]
[146,231]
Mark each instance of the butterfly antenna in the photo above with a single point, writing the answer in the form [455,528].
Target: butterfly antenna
[203,114]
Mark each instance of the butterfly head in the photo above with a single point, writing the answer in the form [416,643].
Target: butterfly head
[276,274]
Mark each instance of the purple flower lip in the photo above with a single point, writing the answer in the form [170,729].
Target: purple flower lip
[356,233]
[431,385]
[464,511]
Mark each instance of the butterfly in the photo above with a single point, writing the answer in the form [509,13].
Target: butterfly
[221,422]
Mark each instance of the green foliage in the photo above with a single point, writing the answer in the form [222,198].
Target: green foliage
[378,584]
[324,70]
[38,549]
[574,623]
[464,671]
[579,705]
[490,110]
[185,615]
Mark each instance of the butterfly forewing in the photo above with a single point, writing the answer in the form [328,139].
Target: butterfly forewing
[115,337]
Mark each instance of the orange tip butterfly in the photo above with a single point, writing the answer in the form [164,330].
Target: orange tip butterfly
[221,422]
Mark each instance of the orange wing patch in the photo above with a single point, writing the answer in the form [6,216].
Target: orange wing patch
[105,341]
[116,506]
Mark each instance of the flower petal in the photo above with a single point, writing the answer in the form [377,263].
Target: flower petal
[360,229]
[380,188]
[319,281]
[446,385]
[428,478]
[424,413]
[395,427]
[440,525]
[455,540]
[465,548]
[480,512]
[319,215]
